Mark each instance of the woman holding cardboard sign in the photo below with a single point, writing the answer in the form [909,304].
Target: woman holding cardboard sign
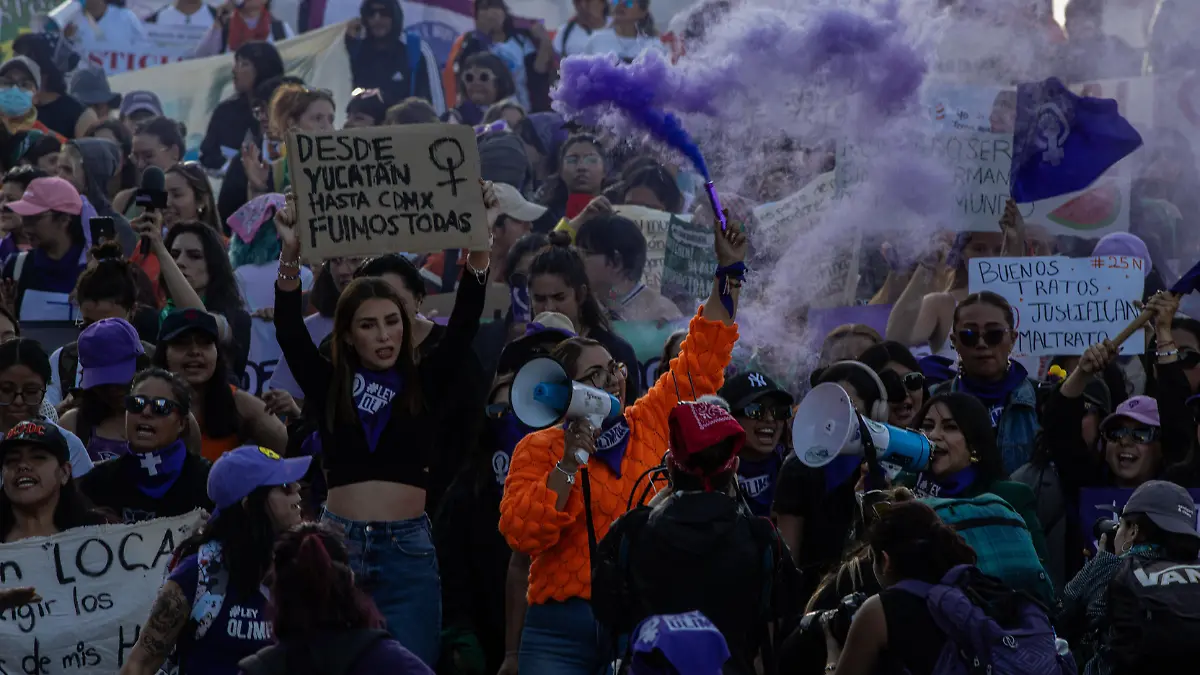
[376,411]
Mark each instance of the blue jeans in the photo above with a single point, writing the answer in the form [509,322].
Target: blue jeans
[395,563]
[562,638]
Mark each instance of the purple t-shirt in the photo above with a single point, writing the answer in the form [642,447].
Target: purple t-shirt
[240,630]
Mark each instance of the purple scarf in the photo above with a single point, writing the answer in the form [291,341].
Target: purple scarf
[373,394]
[994,395]
[156,472]
[950,486]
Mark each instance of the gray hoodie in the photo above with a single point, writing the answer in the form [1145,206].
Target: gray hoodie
[101,160]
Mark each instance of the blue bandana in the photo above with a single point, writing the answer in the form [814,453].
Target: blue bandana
[157,471]
[611,445]
[689,642]
[950,486]
[506,431]
[373,394]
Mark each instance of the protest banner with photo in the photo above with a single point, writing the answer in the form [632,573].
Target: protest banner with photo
[191,90]
[688,260]
[1063,305]
[97,585]
[1096,503]
[794,216]
[412,188]
[654,225]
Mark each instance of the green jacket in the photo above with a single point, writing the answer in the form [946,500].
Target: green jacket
[1018,496]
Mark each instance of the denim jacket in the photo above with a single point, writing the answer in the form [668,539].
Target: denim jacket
[1018,426]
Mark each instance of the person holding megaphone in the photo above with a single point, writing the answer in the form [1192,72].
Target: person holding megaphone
[568,482]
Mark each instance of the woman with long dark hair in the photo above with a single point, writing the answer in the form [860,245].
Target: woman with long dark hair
[483,80]
[40,497]
[901,374]
[196,273]
[212,610]
[227,416]
[908,542]
[158,477]
[527,53]
[109,351]
[558,282]
[376,409]
[24,376]
[323,622]
[630,32]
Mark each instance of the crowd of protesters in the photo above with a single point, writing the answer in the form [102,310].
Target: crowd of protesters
[377,491]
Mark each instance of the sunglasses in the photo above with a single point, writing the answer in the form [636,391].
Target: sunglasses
[991,337]
[1139,435]
[483,76]
[1190,358]
[913,381]
[159,407]
[497,410]
[758,411]
[626,3]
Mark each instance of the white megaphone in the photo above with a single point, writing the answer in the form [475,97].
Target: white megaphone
[542,394]
[827,425]
[57,19]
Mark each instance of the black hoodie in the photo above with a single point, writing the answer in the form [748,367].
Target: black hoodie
[697,551]
[350,652]
[384,63]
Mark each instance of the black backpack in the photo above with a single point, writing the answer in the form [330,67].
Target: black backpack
[624,608]
[1153,617]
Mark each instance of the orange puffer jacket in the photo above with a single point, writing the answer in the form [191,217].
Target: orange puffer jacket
[557,540]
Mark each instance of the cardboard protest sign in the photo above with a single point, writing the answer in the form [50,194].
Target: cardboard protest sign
[780,222]
[654,225]
[1097,503]
[97,585]
[412,188]
[1063,305]
[688,260]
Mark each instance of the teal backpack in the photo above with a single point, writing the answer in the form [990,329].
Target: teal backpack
[1001,541]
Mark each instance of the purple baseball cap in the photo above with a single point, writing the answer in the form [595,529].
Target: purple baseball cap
[108,351]
[689,642]
[243,470]
[1142,409]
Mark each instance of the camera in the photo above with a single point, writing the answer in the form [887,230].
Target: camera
[1105,526]
[839,625]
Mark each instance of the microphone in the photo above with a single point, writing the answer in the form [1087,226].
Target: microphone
[151,196]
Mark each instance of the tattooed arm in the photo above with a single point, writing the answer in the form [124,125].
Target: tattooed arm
[167,618]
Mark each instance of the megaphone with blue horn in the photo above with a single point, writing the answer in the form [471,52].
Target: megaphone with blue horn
[542,394]
[827,425]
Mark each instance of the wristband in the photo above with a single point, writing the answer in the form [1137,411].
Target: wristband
[289,263]
[480,275]
[728,277]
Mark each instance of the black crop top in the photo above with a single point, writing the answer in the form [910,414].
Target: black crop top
[406,447]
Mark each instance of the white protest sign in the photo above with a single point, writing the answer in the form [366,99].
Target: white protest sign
[163,45]
[412,188]
[1063,305]
[795,216]
[654,225]
[97,585]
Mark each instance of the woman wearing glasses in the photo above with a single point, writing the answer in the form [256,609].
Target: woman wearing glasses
[483,80]
[764,410]
[573,192]
[551,512]
[157,142]
[558,282]
[158,477]
[631,32]
[901,375]
[983,335]
[24,374]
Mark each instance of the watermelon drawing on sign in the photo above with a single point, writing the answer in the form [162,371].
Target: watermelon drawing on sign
[1093,210]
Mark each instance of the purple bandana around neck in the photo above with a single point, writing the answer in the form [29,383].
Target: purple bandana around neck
[156,472]
[373,394]
[994,394]
[840,470]
[757,479]
[949,486]
[612,442]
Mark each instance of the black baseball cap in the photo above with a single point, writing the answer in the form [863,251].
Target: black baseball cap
[41,433]
[1167,505]
[180,321]
[746,388]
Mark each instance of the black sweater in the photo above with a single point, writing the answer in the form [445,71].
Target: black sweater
[409,443]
